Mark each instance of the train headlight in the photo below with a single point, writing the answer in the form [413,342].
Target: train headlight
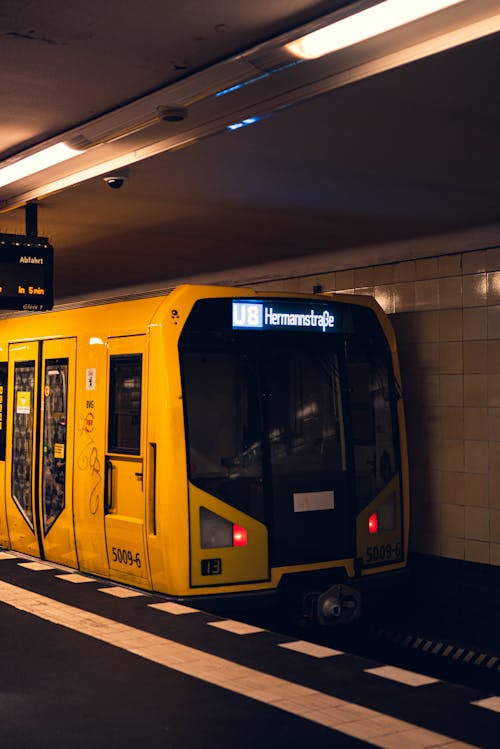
[373,523]
[216,532]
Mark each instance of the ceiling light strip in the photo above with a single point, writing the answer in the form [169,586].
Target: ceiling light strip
[37,162]
[385,16]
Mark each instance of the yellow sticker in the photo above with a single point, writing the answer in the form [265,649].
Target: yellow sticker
[23,402]
[59,451]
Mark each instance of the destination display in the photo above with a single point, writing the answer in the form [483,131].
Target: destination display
[274,314]
[26,273]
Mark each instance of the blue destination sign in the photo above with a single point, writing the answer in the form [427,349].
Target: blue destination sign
[278,315]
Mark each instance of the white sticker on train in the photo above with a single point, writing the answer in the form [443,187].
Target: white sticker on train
[313,501]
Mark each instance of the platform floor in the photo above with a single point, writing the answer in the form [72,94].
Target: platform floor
[85,663]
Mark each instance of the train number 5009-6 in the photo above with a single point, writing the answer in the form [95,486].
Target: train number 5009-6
[383,553]
[125,556]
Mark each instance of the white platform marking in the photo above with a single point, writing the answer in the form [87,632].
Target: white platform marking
[490,703]
[119,592]
[353,720]
[36,566]
[310,648]
[237,628]
[74,577]
[7,555]
[173,608]
[410,678]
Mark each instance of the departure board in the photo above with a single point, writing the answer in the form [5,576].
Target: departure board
[26,273]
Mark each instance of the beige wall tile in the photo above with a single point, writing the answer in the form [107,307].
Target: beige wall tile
[271,285]
[474,489]
[495,526]
[451,390]
[292,284]
[428,392]
[427,294]
[494,487]
[452,422]
[450,357]
[450,292]
[493,286]
[476,455]
[493,390]
[344,279]
[327,280]
[475,357]
[453,520]
[364,277]
[450,265]
[477,523]
[454,548]
[493,259]
[494,424]
[493,356]
[495,554]
[404,297]
[405,271]
[475,423]
[475,390]
[474,290]
[449,490]
[426,268]
[475,324]
[426,326]
[477,551]
[494,453]
[305,284]
[474,262]
[385,297]
[450,455]
[494,322]
[450,325]
[426,357]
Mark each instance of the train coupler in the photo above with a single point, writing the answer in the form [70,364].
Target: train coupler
[340,604]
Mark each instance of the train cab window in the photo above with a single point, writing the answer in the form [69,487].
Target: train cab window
[3,407]
[373,419]
[22,437]
[223,422]
[125,404]
[54,440]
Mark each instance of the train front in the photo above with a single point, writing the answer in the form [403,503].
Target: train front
[297,480]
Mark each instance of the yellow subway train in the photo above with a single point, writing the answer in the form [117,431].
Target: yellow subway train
[211,442]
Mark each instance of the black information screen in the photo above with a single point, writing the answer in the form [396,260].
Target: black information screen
[26,273]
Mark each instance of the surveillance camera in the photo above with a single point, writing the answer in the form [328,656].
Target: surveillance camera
[115,181]
[172,114]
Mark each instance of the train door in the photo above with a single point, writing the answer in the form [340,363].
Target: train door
[312,517]
[124,501]
[39,463]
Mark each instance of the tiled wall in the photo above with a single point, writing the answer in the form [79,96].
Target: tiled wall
[446,313]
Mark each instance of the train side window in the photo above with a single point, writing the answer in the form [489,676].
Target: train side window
[22,437]
[125,404]
[3,407]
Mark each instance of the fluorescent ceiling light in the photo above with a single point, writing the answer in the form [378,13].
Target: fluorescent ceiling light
[366,24]
[36,162]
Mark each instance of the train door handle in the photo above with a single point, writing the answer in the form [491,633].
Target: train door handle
[108,486]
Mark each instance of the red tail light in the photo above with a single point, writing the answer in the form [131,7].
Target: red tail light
[239,536]
[373,523]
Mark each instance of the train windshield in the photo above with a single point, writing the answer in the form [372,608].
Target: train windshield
[270,424]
